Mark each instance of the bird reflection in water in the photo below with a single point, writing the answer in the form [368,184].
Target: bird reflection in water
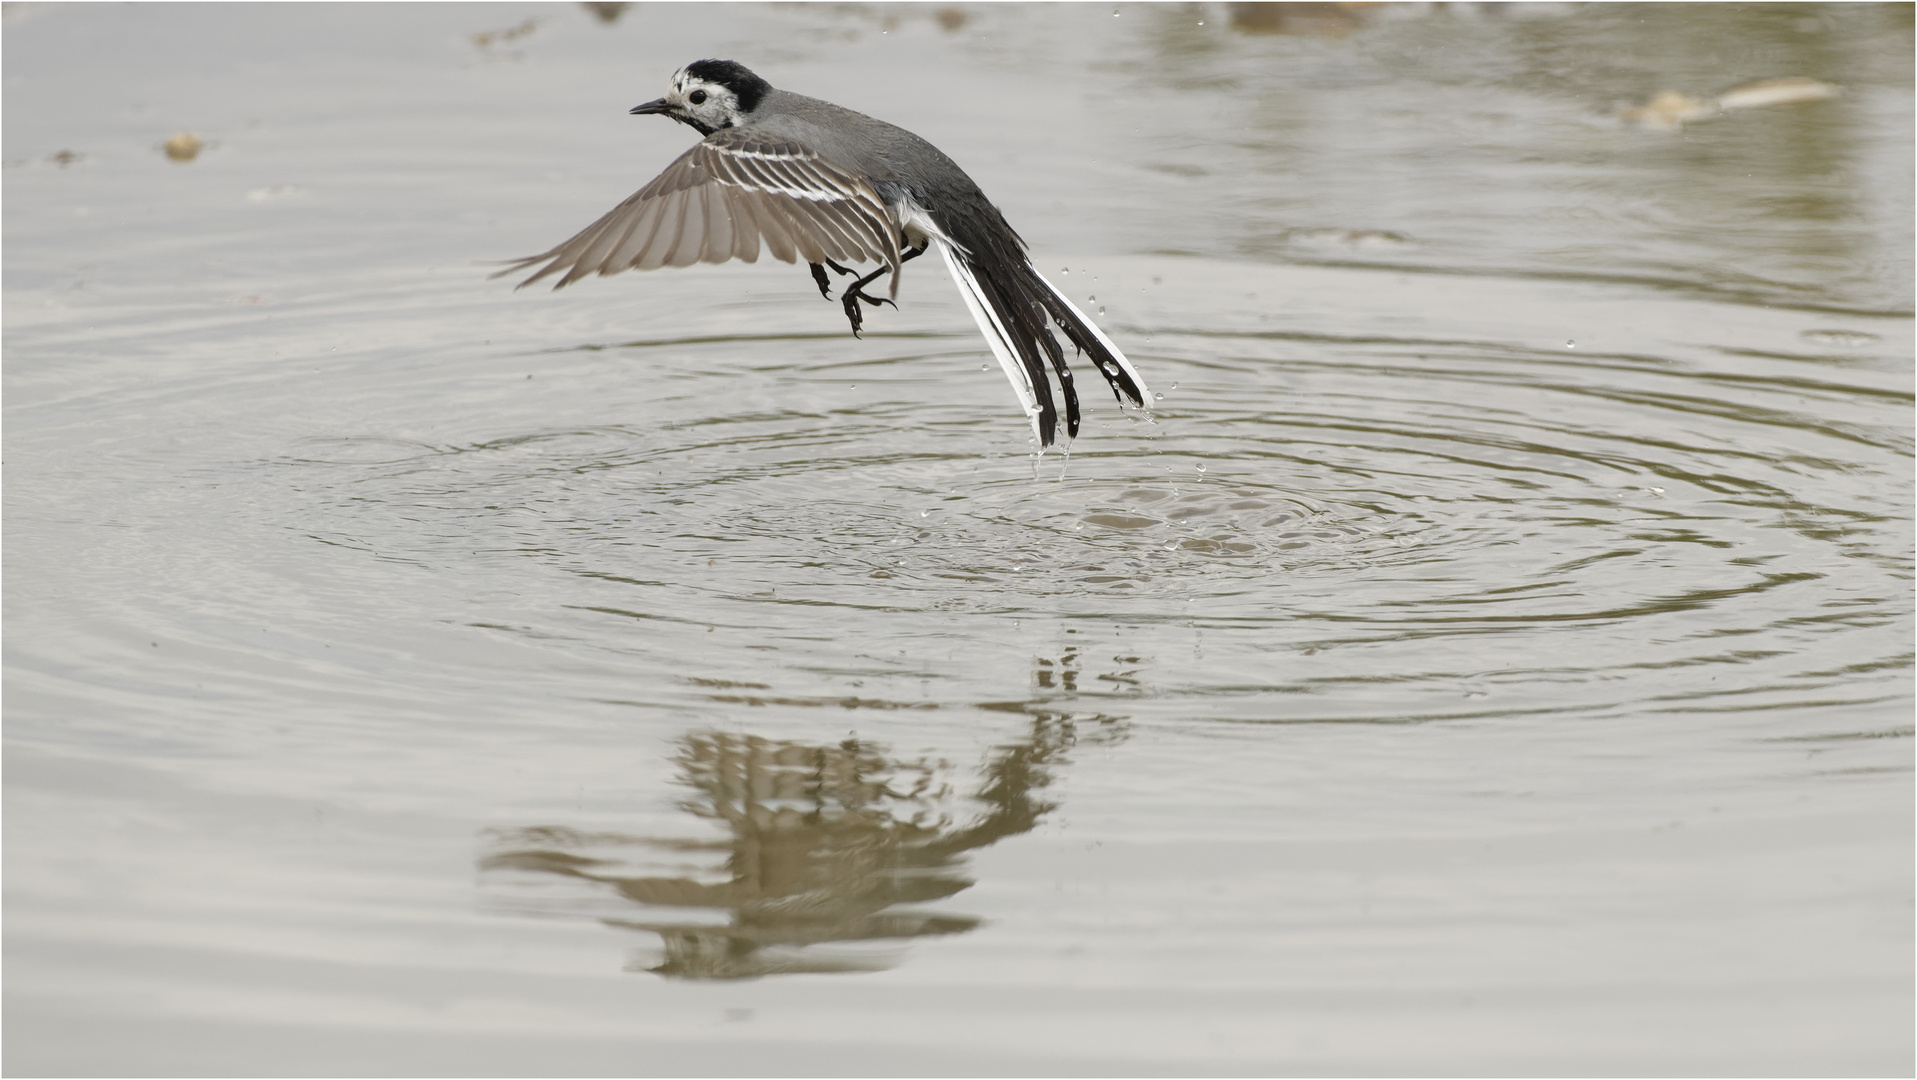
[828,849]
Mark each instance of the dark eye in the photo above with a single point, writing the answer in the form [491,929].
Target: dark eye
[697,97]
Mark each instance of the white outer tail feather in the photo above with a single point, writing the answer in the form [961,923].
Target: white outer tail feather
[995,335]
[1144,392]
[1001,343]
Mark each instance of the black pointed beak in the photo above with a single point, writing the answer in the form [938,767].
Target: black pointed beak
[655,106]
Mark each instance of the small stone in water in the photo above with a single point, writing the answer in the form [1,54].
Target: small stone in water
[184,147]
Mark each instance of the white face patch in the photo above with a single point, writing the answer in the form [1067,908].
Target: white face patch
[710,104]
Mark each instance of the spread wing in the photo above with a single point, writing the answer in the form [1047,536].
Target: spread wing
[718,201]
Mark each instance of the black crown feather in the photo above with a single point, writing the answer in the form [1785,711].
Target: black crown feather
[734,76]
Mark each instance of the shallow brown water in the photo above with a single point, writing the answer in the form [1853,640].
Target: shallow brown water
[1492,655]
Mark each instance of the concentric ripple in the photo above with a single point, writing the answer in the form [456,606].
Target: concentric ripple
[1380,526]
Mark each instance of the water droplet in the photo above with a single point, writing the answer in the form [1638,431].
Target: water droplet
[1570,344]
[1158,397]
[1065,270]
[1091,299]
[1101,309]
[925,513]
[985,367]
[1201,468]
[1174,386]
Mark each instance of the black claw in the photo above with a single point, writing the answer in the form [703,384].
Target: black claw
[818,275]
[855,292]
[851,300]
[838,268]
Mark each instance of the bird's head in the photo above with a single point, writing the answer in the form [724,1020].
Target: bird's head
[709,95]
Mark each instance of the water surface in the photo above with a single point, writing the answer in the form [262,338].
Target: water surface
[1491,655]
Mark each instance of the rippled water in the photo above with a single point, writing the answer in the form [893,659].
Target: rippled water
[1492,654]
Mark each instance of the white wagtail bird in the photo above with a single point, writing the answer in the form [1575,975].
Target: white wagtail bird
[831,186]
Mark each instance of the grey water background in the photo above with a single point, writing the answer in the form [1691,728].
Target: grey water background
[1493,654]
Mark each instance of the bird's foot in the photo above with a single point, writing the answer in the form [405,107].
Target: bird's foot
[824,283]
[851,301]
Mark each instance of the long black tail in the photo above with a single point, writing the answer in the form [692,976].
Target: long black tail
[1014,306]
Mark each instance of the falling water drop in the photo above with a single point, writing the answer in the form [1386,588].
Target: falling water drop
[1570,344]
